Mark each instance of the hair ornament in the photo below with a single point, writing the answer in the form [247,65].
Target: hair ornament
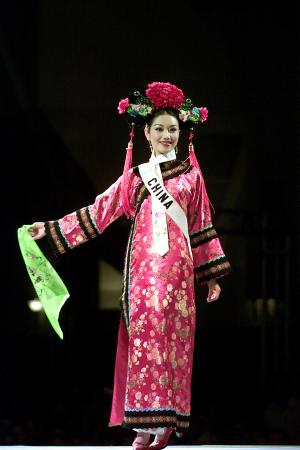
[164,95]
[139,106]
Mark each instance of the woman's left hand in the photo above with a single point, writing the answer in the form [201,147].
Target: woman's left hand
[214,290]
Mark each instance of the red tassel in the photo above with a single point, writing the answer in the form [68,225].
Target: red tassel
[194,162]
[125,180]
[193,158]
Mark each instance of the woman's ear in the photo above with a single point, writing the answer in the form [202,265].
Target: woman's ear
[146,131]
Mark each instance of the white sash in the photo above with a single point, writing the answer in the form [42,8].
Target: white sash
[159,193]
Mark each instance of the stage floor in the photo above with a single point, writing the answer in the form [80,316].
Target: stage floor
[171,447]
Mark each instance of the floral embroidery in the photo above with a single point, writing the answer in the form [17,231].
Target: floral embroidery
[40,272]
[158,301]
[193,114]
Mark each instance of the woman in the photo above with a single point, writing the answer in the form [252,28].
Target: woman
[171,239]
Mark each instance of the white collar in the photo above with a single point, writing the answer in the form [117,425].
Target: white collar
[163,157]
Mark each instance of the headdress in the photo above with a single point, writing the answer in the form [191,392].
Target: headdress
[140,105]
[138,109]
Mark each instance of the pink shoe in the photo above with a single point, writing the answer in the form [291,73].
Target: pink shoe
[138,444]
[161,441]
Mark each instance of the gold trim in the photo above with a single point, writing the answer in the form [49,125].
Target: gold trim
[55,238]
[204,236]
[156,419]
[87,223]
[214,270]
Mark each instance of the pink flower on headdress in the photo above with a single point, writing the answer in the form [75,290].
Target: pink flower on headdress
[164,95]
[203,114]
[123,105]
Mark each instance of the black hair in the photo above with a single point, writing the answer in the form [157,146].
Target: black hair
[171,112]
[161,112]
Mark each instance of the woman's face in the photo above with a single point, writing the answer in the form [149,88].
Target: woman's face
[163,134]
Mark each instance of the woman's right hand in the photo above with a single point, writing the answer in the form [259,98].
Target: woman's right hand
[37,230]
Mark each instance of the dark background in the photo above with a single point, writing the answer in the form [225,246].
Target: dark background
[64,67]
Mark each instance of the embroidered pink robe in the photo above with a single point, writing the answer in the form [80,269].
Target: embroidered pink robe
[153,371]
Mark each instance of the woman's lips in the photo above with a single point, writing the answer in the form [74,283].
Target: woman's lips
[166,144]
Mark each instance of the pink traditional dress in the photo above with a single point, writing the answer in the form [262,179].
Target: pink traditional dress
[154,360]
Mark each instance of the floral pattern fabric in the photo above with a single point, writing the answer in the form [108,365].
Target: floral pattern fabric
[156,339]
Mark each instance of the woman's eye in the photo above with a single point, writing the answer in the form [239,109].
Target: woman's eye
[158,129]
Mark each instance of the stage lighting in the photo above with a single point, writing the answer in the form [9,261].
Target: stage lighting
[35,305]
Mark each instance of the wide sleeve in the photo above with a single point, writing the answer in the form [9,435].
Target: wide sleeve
[88,222]
[209,258]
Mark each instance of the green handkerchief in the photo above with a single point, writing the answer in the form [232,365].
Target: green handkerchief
[48,285]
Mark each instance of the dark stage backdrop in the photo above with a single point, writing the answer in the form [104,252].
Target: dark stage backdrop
[64,67]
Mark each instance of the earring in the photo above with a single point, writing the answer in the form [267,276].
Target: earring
[176,150]
[151,147]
